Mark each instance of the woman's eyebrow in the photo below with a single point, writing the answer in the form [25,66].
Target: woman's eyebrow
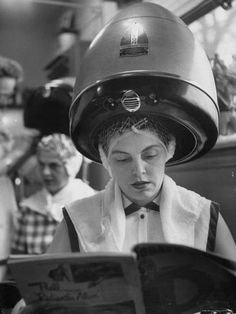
[152,146]
[145,149]
[118,152]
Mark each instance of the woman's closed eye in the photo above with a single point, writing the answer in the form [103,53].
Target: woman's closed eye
[122,157]
[150,156]
[151,153]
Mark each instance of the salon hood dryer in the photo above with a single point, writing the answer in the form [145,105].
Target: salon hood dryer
[145,62]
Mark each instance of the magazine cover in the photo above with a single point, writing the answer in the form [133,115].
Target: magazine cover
[80,283]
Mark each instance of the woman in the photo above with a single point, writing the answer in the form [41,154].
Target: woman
[123,214]
[140,103]
[40,213]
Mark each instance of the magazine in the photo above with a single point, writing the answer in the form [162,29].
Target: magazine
[155,278]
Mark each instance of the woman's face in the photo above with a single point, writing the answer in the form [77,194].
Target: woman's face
[137,162]
[53,171]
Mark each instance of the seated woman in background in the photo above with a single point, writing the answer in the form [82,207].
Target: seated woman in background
[39,214]
[136,111]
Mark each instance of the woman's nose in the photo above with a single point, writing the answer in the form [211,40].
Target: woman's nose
[46,171]
[138,167]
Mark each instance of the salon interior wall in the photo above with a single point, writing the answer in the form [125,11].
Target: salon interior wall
[28,32]
[27,35]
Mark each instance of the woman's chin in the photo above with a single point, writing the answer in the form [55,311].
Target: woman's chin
[142,197]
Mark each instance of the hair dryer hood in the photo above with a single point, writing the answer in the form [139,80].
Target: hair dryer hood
[147,50]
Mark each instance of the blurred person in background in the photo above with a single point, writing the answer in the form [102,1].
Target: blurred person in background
[8,205]
[11,74]
[225,78]
[39,214]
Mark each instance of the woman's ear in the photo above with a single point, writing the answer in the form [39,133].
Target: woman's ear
[171,149]
[104,160]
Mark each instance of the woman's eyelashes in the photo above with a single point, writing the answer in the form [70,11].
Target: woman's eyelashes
[123,158]
[151,154]
[148,154]
[144,157]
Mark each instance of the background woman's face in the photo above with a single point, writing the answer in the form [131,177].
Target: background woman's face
[137,162]
[53,171]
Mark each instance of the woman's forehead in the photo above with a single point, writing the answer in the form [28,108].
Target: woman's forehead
[134,141]
[49,157]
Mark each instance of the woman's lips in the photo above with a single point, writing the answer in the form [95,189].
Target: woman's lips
[48,181]
[140,185]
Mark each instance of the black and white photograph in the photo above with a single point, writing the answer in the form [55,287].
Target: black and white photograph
[118,156]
